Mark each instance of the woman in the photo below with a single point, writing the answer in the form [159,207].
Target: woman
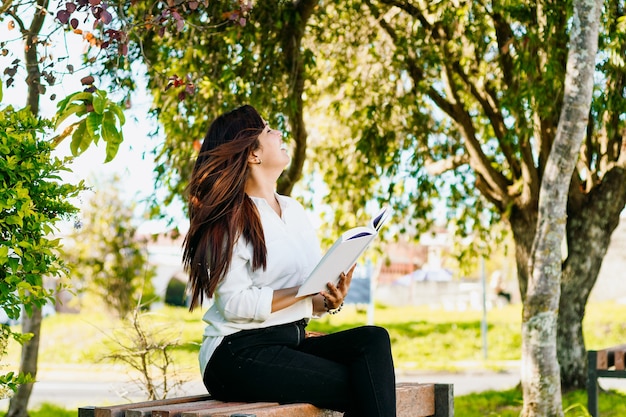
[248,249]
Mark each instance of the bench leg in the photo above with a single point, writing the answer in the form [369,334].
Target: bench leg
[444,400]
[592,383]
[88,411]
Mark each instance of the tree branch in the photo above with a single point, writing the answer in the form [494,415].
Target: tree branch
[495,184]
[504,37]
[19,21]
[304,9]
[291,40]
[6,4]
[494,116]
[411,10]
[436,168]
[33,78]
[417,75]
[526,168]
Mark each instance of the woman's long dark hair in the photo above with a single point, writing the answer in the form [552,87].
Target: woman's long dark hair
[219,209]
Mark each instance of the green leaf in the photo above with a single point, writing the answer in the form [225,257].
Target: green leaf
[99,103]
[118,112]
[14,220]
[70,110]
[94,120]
[81,95]
[14,264]
[77,96]
[80,139]
[111,151]
[111,135]
[4,254]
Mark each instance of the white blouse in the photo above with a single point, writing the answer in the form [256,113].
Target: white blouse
[243,299]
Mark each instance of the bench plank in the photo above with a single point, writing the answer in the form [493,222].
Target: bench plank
[444,400]
[173,409]
[178,409]
[413,400]
[299,410]
[228,409]
[119,410]
[613,356]
[618,358]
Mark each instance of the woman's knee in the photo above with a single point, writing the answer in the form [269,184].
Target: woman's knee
[374,335]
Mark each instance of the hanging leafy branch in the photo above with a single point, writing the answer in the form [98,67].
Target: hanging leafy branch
[100,118]
[108,28]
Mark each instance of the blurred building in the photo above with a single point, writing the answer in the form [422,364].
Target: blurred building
[411,273]
[611,283]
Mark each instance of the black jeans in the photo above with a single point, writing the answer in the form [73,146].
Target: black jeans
[350,371]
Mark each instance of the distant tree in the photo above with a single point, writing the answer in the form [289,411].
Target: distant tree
[109,258]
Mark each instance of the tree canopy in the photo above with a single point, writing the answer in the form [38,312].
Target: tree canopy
[477,90]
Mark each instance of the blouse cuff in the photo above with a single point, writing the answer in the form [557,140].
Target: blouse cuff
[264,306]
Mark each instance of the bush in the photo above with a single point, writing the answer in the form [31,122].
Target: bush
[175,293]
[32,201]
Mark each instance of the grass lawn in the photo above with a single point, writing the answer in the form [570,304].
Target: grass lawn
[422,338]
[509,404]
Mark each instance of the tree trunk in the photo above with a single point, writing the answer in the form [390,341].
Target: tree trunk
[541,380]
[291,41]
[523,225]
[33,78]
[18,406]
[589,231]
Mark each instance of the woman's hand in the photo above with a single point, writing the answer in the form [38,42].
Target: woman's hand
[337,293]
[309,333]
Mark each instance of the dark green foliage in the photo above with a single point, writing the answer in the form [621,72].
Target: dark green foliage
[175,293]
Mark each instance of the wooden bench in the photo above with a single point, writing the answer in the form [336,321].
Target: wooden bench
[605,363]
[413,400]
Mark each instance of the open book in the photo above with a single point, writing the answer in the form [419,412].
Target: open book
[343,254]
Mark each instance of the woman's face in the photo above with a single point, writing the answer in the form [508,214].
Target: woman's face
[272,150]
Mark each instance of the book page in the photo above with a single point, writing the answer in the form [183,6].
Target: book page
[381,218]
[339,258]
[343,254]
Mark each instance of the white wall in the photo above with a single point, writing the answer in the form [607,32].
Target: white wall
[611,283]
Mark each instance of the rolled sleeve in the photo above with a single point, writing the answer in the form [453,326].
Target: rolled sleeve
[238,299]
[251,304]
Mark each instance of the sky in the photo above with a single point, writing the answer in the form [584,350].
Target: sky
[133,163]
